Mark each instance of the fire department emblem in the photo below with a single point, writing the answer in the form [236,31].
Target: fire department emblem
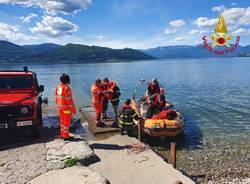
[221,38]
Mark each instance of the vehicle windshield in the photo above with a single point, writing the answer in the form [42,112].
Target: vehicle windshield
[16,82]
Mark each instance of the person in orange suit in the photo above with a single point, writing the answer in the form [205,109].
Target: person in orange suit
[97,100]
[105,87]
[65,105]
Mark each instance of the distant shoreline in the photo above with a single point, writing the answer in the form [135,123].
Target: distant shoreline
[119,61]
[75,62]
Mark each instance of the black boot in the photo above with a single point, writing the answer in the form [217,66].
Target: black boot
[114,125]
[68,139]
[100,124]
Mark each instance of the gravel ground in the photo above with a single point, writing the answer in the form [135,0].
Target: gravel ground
[22,158]
[223,164]
[17,165]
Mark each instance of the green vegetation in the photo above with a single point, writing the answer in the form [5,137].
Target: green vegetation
[10,52]
[86,54]
[42,48]
[70,53]
[71,162]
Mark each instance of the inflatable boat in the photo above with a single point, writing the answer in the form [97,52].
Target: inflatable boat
[167,123]
[164,126]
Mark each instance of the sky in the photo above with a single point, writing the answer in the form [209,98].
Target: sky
[135,24]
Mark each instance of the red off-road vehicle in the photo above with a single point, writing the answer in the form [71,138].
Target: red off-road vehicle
[20,100]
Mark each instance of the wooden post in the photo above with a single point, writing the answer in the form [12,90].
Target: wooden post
[139,130]
[173,154]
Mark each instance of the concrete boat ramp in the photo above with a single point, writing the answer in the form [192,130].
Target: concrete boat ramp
[121,165]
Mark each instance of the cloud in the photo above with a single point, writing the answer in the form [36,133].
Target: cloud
[194,31]
[241,31]
[53,6]
[237,16]
[179,39]
[12,33]
[174,26]
[100,37]
[28,18]
[204,22]
[170,30]
[54,27]
[177,23]
[218,8]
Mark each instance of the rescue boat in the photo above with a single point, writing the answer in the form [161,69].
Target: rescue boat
[164,127]
[170,125]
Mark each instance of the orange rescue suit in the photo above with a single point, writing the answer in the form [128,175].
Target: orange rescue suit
[66,108]
[165,114]
[97,100]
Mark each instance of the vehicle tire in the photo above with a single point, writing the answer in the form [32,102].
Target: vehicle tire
[35,131]
[40,116]
[36,128]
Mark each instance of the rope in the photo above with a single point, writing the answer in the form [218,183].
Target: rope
[137,148]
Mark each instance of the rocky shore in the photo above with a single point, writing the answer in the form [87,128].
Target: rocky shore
[44,161]
[221,164]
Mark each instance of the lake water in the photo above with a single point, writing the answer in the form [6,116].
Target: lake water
[212,94]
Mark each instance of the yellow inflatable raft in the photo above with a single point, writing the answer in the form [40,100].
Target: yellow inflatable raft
[164,127]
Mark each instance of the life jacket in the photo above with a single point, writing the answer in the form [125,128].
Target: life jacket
[64,99]
[96,92]
[166,114]
[114,92]
[160,101]
[106,88]
[153,90]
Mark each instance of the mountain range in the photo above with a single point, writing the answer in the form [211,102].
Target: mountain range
[70,53]
[76,53]
[186,51]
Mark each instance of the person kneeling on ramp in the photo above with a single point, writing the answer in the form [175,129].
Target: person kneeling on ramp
[127,115]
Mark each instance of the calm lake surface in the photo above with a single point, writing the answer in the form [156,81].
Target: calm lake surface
[212,94]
